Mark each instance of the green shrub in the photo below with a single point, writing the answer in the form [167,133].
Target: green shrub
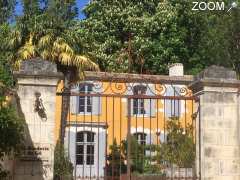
[63,168]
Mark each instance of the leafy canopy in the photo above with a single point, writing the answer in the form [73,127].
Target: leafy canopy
[6,10]
[142,35]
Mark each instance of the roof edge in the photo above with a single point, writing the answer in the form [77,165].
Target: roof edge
[131,78]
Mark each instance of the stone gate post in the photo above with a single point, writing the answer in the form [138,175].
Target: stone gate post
[37,81]
[218,130]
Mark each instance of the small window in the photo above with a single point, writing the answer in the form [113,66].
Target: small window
[85,102]
[138,104]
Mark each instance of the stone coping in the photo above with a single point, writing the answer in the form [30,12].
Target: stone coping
[141,78]
[199,84]
[19,74]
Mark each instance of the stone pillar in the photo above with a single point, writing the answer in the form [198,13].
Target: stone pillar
[218,132]
[37,81]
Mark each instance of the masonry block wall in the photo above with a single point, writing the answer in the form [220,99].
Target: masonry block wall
[219,127]
[37,81]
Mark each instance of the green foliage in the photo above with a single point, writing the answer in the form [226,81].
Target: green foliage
[6,10]
[11,128]
[179,149]
[63,168]
[222,40]
[137,154]
[5,66]
[115,159]
[62,11]
[143,36]
[48,33]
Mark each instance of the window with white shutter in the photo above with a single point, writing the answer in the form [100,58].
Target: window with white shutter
[138,104]
[85,102]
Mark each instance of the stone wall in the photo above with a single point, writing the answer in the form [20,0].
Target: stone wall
[218,134]
[218,130]
[37,81]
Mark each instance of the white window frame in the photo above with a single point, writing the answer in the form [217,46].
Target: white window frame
[85,145]
[86,91]
[140,102]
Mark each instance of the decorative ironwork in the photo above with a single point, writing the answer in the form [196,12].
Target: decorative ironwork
[118,148]
[119,88]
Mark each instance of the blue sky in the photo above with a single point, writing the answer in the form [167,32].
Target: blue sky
[80,5]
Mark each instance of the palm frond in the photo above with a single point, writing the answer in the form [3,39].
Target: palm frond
[49,46]
[65,59]
[46,54]
[15,39]
[28,51]
[82,61]
[60,45]
[45,41]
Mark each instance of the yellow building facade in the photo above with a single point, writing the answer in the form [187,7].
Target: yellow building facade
[106,106]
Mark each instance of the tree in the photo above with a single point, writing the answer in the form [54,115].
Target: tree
[223,39]
[11,125]
[41,33]
[179,149]
[143,36]
[138,157]
[6,10]
[63,10]
[63,168]
[116,165]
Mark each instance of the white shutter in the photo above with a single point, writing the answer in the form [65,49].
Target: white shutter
[169,102]
[162,138]
[150,138]
[173,107]
[150,104]
[129,92]
[71,144]
[74,100]
[177,103]
[97,101]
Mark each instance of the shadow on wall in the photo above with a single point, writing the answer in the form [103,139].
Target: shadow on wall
[28,165]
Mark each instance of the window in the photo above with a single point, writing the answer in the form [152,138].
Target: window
[85,102]
[173,106]
[138,104]
[141,138]
[85,148]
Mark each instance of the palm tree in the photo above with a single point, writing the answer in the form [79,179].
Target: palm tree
[52,41]
[52,45]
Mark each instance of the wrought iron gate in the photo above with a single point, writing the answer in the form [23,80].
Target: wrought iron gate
[130,130]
